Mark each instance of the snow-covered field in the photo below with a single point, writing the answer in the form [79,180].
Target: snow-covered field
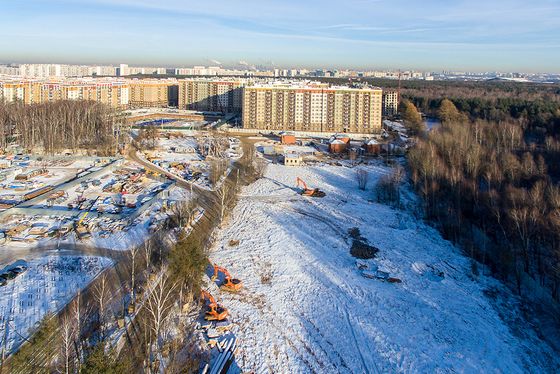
[306,308]
[46,286]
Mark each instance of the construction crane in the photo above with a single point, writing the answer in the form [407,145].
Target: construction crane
[312,192]
[399,89]
[215,311]
[82,219]
[230,284]
[81,231]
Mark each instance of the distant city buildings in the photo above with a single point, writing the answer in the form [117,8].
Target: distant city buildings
[278,99]
[311,107]
[123,70]
[41,71]
[61,71]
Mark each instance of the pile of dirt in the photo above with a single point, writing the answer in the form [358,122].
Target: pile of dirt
[360,247]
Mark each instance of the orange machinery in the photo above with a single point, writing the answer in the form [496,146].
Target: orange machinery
[312,192]
[230,284]
[215,311]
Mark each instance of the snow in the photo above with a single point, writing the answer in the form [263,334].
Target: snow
[46,286]
[306,307]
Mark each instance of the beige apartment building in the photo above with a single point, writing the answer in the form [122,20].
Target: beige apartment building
[112,93]
[149,93]
[211,95]
[312,108]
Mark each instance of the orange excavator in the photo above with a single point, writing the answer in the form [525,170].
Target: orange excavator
[215,311]
[230,284]
[311,192]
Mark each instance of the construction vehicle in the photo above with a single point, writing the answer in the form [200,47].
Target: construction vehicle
[230,284]
[311,192]
[81,231]
[215,311]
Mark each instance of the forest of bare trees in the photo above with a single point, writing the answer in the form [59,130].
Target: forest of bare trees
[493,187]
[58,126]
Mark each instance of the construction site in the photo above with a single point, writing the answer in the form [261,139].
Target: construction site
[60,213]
[315,275]
[307,268]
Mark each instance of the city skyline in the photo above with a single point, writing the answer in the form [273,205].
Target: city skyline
[507,35]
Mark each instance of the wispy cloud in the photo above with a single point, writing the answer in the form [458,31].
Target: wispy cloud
[452,32]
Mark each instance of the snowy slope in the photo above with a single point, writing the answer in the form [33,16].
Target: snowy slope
[306,308]
[47,285]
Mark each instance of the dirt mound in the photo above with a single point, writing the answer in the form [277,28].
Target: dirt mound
[360,247]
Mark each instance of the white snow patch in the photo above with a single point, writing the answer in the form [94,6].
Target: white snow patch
[306,308]
[46,286]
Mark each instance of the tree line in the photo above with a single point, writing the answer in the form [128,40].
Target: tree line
[534,107]
[57,126]
[492,187]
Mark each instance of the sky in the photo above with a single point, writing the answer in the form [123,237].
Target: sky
[473,35]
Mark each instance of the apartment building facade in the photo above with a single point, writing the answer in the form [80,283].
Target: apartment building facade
[149,93]
[312,108]
[113,93]
[390,103]
[225,96]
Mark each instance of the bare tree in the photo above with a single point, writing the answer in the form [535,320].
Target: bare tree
[352,155]
[80,315]
[68,332]
[133,253]
[158,307]
[101,294]
[258,164]
[55,126]
[225,194]
[362,177]
[181,213]
[148,248]
[218,168]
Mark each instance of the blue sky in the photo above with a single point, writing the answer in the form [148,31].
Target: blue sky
[507,35]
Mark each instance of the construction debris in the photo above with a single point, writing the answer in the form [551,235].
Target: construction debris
[225,357]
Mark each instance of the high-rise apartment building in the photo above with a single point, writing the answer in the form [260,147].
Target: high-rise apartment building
[211,95]
[113,93]
[390,103]
[151,93]
[312,108]
[12,91]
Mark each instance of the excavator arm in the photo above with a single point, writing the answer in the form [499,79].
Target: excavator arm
[215,311]
[205,295]
[300,181]
[217,270]
[230,284]
[312,192]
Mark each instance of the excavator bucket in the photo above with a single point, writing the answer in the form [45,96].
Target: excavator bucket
[216,314]
[318,193]
[313,193]
[232,285]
